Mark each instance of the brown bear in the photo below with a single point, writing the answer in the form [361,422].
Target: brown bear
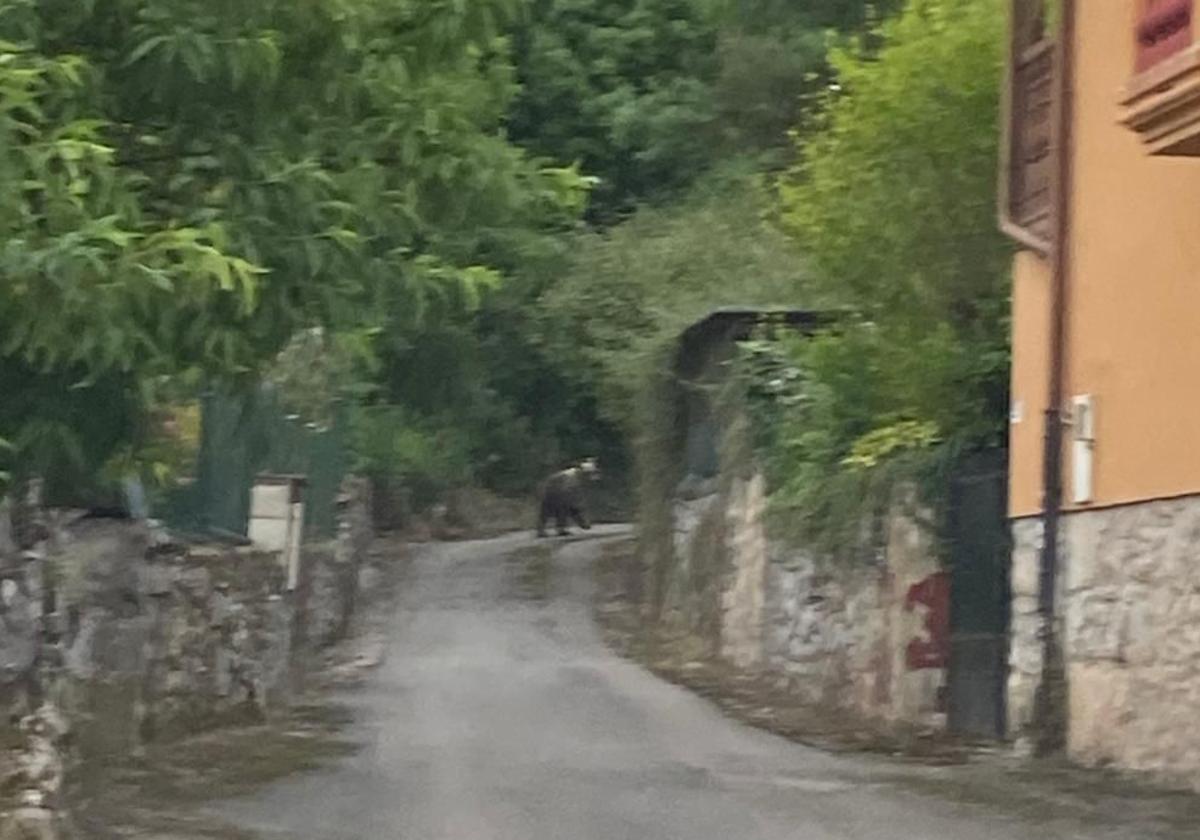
[563,497]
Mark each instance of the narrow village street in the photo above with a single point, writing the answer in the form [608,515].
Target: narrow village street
[498,714]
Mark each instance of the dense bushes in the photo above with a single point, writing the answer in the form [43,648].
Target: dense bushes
[893,200]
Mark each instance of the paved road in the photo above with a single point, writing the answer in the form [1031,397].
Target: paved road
[497,716]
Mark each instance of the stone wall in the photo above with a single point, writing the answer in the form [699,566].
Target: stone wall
[33,734]
[1025,647]
[333,573]
[744,590]
[852,636]
[1129,607]
[113,634]
[694,584]
[827,629]
[163,639]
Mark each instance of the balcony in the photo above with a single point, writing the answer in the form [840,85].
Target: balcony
[1162,100]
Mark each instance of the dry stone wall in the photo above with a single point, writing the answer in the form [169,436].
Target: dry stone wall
[825,629]
[162,639]
[839,634]
[112,635]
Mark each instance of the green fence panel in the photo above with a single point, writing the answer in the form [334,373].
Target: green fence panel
[247,434]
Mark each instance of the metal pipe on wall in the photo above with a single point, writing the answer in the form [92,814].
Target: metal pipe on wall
[1050,716]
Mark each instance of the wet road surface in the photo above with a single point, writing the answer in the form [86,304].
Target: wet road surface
[498,714]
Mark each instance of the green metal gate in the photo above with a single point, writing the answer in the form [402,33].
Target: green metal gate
[247,434]
[979,596]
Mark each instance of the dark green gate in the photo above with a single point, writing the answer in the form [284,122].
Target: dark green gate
[244,435]
[979,597]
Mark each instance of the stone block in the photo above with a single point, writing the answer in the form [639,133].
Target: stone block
[195,583]
[1025,651]
[31,822]
[1094,625]
[8,541]
[1101,711]
[158,579]
[1026,554]
[1139,628]
[20,636]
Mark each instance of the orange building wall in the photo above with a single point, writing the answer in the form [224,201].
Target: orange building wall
[1030,343]
[1133,325]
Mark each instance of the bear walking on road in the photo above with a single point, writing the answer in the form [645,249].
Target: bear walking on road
[563,498]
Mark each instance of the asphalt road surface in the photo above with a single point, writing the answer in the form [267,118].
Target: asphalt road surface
[498,714]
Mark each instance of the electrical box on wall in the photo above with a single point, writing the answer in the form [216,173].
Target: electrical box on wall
[277,520]
[1083,421]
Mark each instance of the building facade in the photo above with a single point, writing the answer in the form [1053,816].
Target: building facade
[1127,597]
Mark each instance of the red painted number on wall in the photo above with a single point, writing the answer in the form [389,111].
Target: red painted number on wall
[933,650]
[1164,27]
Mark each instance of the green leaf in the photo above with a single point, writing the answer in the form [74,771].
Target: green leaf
[146,47]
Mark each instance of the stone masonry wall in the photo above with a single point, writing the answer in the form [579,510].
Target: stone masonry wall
[1130,611]
[1025,650]
[33,734]
[744,593]
[693,584]
[841,635]
[333,573]
[917,636]
[112,635]
[163,639]
[845,635]
[826,629]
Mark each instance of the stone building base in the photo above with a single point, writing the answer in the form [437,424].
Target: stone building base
[1129,613]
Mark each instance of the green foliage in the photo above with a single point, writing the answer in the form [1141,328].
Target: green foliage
[650,98]
[670,105]
[773,58]
[377,201]
[647,95]
[316,371]
[392,443]
[833,455]
[186,184]
[44,415]
[620,86]
[631,290]
[893,201]
[887,442]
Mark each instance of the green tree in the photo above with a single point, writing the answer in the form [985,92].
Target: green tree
[894,201]
[620,86]
[773,57]
[648,95]
[187,184]
[631,290]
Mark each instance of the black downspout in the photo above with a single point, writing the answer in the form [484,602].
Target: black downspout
[1050,715]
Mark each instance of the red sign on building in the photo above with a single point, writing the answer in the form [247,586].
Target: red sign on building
[1164,27]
